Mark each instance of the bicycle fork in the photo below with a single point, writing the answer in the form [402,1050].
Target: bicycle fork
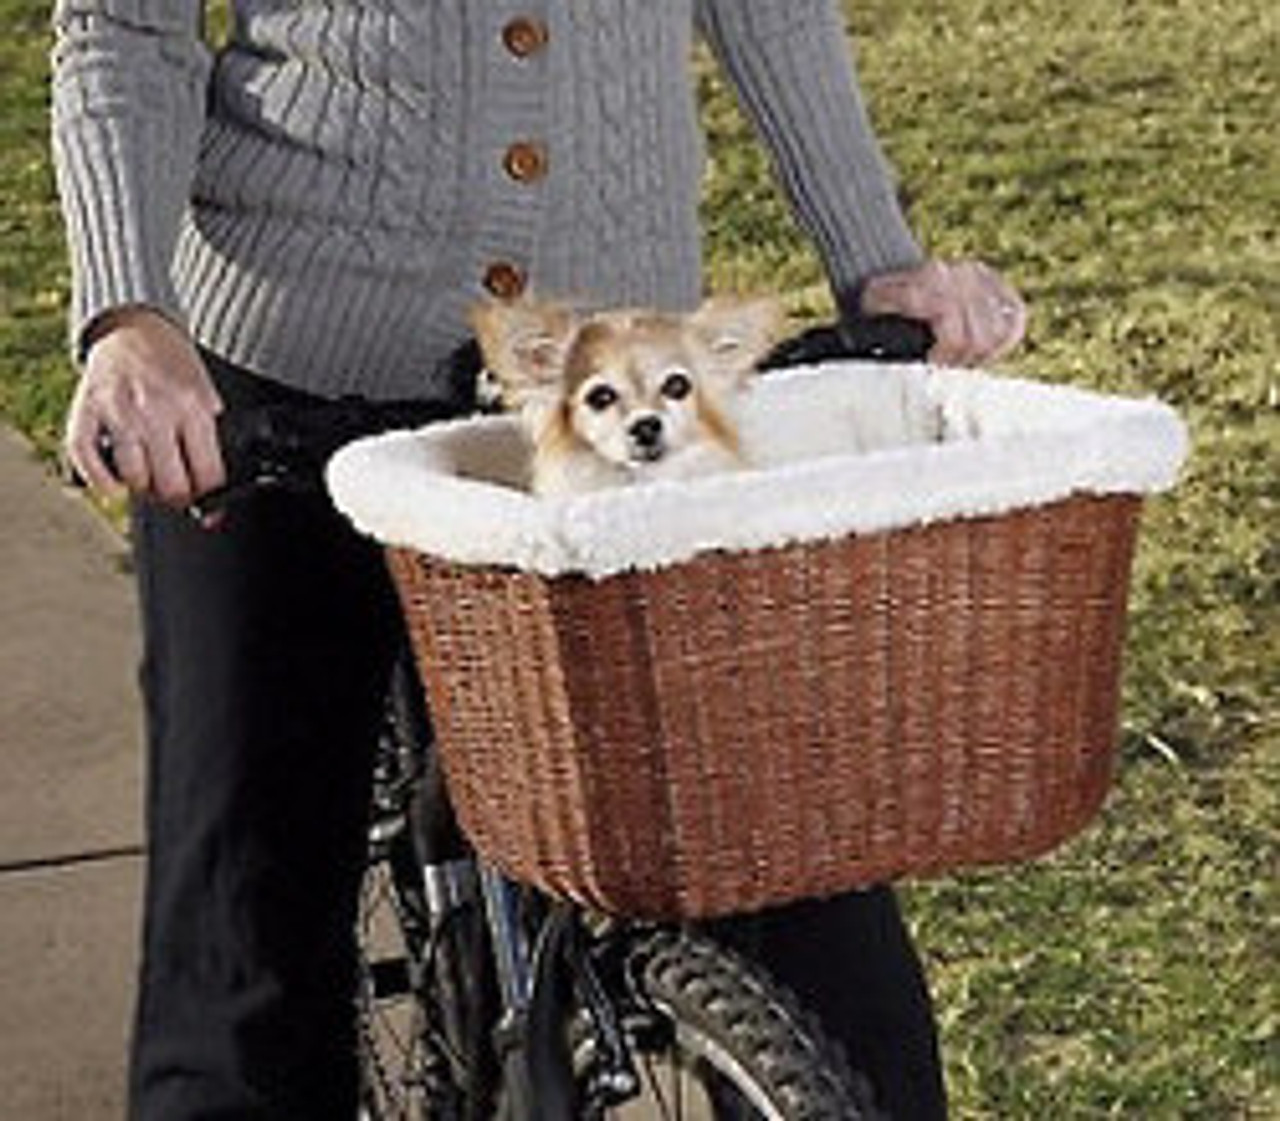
[538,981]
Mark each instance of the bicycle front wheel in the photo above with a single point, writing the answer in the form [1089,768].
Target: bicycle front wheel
[715,1039]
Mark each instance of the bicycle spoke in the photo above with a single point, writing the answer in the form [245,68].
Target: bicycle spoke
[655,1088]
[677,1086]
[391,1039]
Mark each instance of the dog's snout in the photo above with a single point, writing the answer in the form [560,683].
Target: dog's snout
[646,432]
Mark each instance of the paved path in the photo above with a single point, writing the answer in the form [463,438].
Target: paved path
[70,786]
[69,800]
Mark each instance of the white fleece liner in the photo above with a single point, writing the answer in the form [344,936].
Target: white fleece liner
[837,449]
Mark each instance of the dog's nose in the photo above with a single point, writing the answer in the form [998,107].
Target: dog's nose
[646,433]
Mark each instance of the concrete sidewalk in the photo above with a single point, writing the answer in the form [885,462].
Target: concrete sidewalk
[69,800]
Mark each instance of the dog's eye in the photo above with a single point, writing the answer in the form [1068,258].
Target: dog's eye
[600,397]
[676,386]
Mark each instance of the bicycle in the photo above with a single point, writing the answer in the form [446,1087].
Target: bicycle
[477,998]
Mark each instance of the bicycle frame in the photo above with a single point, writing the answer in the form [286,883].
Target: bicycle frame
[530,965]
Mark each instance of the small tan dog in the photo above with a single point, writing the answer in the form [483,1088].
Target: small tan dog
[617,397]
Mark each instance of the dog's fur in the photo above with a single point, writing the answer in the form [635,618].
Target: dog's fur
[616,397]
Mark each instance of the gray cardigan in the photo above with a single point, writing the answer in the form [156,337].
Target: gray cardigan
[323,199]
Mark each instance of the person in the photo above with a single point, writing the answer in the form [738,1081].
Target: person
[310,211]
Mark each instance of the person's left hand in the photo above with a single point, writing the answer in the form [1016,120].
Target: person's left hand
[975,315]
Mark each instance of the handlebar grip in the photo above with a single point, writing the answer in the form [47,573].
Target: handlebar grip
[883,338]
[287,446]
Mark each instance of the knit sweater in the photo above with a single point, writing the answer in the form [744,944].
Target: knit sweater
[323,198]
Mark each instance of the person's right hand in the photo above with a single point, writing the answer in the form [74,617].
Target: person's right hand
[145,387]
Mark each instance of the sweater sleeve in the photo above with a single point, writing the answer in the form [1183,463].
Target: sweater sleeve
[130,79]
[790,63]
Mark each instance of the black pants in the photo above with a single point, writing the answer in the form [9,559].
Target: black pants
[267,645]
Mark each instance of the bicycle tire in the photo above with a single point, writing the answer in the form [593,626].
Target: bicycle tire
[391,1036]
[415,1061]
[425,989]
[732,1041]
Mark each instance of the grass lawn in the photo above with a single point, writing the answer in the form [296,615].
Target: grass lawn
[1121,162]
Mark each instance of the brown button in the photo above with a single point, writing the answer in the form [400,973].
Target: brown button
[504,280]
[526,162]
[525,36]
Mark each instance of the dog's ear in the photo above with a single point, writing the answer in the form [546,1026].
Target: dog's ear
[737,332]
[524,344]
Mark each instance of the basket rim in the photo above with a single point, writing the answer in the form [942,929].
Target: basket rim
[1005,444]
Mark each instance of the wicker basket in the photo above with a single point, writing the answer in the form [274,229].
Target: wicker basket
[747,727]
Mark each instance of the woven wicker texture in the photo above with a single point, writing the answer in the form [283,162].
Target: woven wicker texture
[748,728]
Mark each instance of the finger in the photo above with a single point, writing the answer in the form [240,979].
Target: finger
[967,342]
[1013,319]
[998,309]
[202,453]
[208,396]
[81,443]
[1001,333]
[991,309]
[132,464]
[170,480]
[951,335]
[1015,324]
[937,301]
[986,328]
[84,452]
[976,307]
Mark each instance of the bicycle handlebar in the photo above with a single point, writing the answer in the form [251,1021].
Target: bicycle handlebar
[287,446]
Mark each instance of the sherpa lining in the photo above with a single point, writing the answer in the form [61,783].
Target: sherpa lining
[842,448]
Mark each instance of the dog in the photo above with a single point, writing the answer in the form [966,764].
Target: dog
[612,398]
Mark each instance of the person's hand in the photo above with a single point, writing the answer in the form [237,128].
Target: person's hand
[975,315]
[146,390]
